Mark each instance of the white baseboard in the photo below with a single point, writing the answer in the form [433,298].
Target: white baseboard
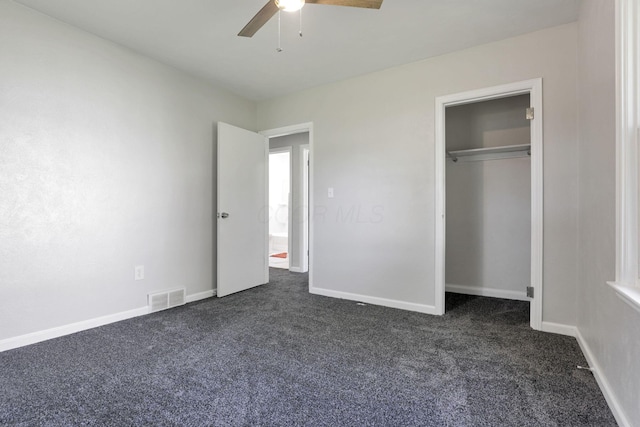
[487,292]
[72,328]
[559,328]
[47,334]
[201,295]
[403,305]
[296,270]
[606,389]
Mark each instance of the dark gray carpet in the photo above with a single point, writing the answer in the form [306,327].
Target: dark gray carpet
[278,356]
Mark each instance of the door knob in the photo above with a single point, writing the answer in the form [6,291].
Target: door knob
[224,215]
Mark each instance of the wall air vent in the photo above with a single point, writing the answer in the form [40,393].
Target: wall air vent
[163,300]
[176,298]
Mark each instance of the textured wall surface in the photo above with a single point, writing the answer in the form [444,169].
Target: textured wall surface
[106,162]
[374,144]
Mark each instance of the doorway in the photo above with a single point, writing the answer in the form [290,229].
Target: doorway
[280,207]
[529,92]
[297,142]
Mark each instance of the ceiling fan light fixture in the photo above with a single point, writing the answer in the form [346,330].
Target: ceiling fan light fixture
[274,7]
[289,5]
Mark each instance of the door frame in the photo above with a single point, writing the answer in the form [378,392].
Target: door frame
[305,157]
[292,130]
[289,199]
[532,87]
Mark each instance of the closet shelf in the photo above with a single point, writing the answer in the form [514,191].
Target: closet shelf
[491,153]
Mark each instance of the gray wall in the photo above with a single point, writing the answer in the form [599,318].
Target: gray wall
[106,162]
[488,236]
[608,326]
[298,208]
[374,144]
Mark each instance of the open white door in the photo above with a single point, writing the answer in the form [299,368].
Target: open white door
[242,210]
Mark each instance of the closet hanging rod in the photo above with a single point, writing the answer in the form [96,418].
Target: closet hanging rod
[491,153]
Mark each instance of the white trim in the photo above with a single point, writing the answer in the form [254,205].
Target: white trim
[59,331]
[537,203]
[603,383]
[559,328]
[534,89]
[72,328]
[265,202]
[402,305]
[628,294]
[304,265]
[200,296]
[440,205]
[288,130]
[627,124]
[296,269]
[291,130]
[487,292]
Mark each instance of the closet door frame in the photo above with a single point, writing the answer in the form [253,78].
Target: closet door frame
[532,87]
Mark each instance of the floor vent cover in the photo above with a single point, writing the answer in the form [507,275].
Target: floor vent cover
[163,300]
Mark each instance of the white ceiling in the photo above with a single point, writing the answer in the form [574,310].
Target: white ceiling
[200,36]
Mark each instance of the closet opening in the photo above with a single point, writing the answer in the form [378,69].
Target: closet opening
[488,198]
[489,182]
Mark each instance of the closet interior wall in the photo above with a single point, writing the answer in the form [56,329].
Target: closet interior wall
[488,202]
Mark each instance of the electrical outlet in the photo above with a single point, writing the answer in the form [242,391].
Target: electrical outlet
[330,192]
[139,272]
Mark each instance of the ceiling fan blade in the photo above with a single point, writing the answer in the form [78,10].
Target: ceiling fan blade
[369,4]
[259,20]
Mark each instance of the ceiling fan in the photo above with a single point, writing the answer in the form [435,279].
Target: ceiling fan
[273,6]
